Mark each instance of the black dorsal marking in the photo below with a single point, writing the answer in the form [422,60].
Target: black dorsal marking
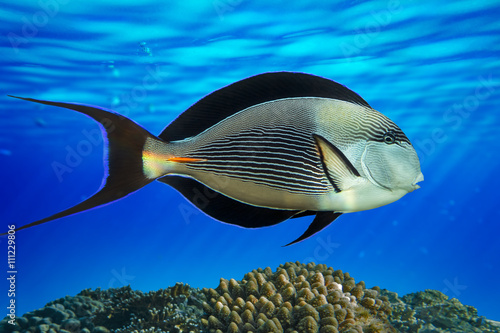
[254,90]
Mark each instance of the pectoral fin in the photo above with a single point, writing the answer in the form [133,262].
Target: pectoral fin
[338,169]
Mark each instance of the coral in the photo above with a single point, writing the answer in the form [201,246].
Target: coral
[68,314]
[175,309]
[433,311]
[297,297]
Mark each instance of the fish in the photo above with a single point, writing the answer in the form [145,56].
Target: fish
[271,147]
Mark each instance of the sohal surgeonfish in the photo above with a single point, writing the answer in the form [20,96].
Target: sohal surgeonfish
[263,150]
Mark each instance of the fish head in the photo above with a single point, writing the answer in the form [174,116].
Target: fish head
[389,160]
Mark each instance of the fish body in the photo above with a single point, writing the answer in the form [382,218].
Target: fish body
[268,148]
[271,159]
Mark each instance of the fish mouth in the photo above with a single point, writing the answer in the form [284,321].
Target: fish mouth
[418,179]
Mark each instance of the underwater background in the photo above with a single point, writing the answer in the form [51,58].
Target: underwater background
[433,69]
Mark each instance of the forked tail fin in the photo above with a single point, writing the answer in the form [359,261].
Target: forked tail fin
[125,143]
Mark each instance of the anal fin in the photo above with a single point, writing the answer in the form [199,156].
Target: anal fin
[223,208]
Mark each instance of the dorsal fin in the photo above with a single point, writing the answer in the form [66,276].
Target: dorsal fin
[252,91]
[223,208]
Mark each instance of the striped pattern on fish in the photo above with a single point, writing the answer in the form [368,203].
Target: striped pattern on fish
[278,157]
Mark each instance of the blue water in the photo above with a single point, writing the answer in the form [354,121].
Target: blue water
[433,69]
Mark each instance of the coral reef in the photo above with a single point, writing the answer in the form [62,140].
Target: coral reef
[68,314]
[432,311]
[175,309]
[296,298]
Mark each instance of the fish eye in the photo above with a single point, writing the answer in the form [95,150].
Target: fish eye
[389,138]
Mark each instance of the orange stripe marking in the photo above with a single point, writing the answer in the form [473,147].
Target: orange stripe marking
[185,159]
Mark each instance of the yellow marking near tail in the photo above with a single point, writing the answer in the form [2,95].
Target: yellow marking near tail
[185,159]
[156,164]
